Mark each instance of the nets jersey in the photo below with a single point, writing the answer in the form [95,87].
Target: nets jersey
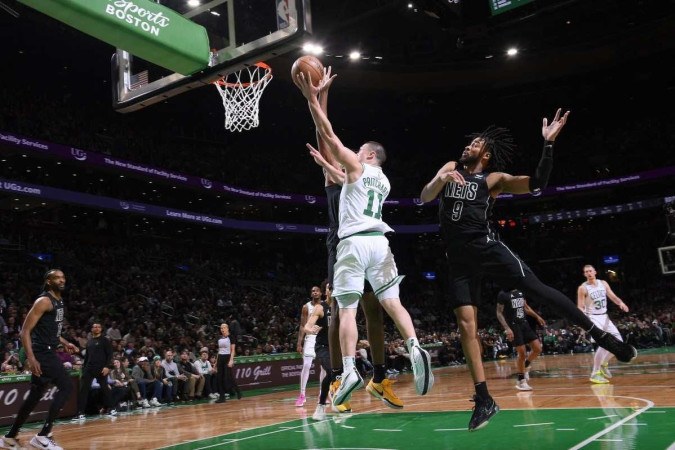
[361,203]
[596,298]
[464,210]
[48,328]
[514,305]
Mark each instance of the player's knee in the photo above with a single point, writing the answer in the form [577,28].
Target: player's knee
[535,346]
[466,322]
[348,301]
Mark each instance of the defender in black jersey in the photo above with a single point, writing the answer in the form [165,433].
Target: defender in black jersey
[512,312]
[380,386]
[468,190]
[319,323]
[40,335]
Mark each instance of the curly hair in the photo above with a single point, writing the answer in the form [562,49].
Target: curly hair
[499,143]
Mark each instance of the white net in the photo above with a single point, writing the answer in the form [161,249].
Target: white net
[241,92]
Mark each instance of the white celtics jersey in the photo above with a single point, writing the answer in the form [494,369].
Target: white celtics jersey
[596,298]
[310,339]
[361,203]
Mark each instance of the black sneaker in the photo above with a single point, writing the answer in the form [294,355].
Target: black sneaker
[482,412]
[221,399]
[623,352]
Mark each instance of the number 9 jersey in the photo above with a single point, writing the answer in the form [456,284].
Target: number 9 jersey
[464,211]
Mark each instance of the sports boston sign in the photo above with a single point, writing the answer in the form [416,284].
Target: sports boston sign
[141,27]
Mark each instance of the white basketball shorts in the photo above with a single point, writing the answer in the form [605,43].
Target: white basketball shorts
[362,258]
[603,322]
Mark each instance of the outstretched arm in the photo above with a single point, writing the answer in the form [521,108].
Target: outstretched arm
[323,126]
[525,184]
[615,298]
[331,166]
[447,173]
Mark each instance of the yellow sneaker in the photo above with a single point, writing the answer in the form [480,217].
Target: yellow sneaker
[598,378]
[345,407]
[384,392]
[334,386]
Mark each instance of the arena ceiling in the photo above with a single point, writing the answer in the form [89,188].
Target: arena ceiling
[426,44]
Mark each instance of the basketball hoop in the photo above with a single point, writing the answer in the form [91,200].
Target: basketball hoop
[241,92]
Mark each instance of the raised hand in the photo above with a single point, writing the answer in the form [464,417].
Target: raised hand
[550,132]
[306,87]
[327,80]
[317,156]
[454,176]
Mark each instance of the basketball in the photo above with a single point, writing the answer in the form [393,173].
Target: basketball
[310,66]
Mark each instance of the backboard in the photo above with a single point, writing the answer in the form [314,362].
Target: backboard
[240,32]
[667,259]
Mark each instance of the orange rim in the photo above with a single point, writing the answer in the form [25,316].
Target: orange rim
[260,64]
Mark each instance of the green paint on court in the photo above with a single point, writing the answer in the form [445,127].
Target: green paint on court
[512,429]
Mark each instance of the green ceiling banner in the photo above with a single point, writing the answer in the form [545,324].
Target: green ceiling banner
[143,28]
[500,6]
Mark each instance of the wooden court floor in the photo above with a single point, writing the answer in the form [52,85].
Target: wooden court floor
[565,410]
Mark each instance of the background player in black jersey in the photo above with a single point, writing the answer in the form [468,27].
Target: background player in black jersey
[319,323]
[380,387]
[519,332]
[40,335]
[468,190]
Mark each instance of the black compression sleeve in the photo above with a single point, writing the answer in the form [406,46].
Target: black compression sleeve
[541,175]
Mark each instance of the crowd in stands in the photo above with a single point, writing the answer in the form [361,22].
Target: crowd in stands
[157,294]
[157,291]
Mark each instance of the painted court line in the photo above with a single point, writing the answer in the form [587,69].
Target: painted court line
[565,429]
[597,435]
[603,417]
[533,424]
[232,441]
[655,412]
[384,429]
[671,446]
[610,440]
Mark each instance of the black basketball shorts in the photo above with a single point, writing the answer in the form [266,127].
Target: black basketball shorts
[481,258]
